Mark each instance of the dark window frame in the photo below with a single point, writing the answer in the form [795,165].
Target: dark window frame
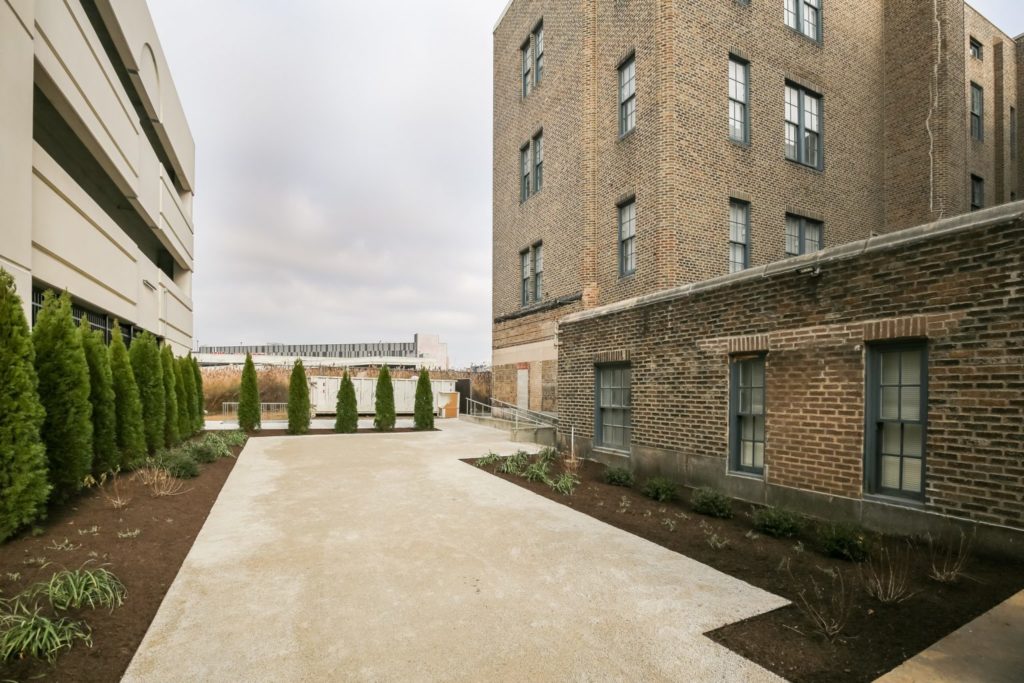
[803,222]
[737,414]
[977,192]
[744,104]
[977,115]
[627,408]
[538,54]
[537,263]
[525,278]
[873,421]
[627,243]
[526,65]
[525,169]
[537,143]
[801,147]
[745,205]
[977,49]
[627,103]
[800,12]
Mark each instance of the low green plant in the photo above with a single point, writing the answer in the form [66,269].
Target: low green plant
[179,463]
[488,460]
[661,489]
[210,448]
[565,483]
[77,588]
[27,632]
[234,437]
[619,476]
[515,463]
[537,471]
[778,522]
[710,502]
[845,541]
[548,456]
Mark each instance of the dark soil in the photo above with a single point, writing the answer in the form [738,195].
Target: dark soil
[146,564]
[876,638]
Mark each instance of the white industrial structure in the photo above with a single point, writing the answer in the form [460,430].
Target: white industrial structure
[424,351]
[323,394]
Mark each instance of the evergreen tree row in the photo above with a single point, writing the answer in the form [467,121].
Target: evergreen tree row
[71,407]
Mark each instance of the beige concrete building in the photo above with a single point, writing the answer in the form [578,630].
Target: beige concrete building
[644,144]
[98,165]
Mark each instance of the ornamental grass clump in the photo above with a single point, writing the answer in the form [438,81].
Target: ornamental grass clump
[27,632]
[78,588]
[23,484]
[63,374]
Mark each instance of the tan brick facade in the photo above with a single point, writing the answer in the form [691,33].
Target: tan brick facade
[893,77]
[953,287]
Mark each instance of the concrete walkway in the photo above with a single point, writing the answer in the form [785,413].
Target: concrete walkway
[989,649]
[383,558]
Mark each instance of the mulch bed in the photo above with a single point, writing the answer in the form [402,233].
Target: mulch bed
[876,638]
[146,564]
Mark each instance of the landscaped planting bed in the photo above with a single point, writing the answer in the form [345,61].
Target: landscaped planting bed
[873,636]
[139,537]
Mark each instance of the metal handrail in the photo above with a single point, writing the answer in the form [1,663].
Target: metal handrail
[499,410]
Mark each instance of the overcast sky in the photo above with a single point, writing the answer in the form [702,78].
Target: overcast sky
[344,166]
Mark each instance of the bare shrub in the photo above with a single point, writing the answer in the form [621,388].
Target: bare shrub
[826,606]
[886,574]
[572,463]
[113,494]
[160,482]
[949,556]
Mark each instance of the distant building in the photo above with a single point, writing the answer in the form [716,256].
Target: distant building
[423,347]
[98,166]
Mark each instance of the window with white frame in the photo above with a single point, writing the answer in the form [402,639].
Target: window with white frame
[803,126]
[739,235]
[627,238]
[739,72]
[627,96]
[803,235]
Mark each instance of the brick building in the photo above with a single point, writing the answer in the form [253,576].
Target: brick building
[640,145]
[881,381]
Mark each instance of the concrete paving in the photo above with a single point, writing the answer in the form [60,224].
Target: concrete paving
[989,649]
[381,557]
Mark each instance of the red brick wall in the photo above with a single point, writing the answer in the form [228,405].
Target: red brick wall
[958,283]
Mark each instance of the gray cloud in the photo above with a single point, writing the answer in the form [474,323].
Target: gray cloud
[343,167]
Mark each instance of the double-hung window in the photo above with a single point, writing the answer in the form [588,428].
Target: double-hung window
[627,238]
[803,126]
[739,72]
[747,413]
[739,235]
[896,412]
[526,53]
[524,277]
[977,192]
[538,162]
[538,271]
[612,413]
[524,183]
[627,96]
[804,16]
[803,235]
[977,112]
[538,51]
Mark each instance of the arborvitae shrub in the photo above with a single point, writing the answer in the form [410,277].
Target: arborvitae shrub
[384,408]
[64,392]
[347,416]
[249,398]
[189,386]
[184,400]
[105,456]
[200,398]
[423,412]
[131,436]
[23,485]
[171,434]
[298,400]
[148,369]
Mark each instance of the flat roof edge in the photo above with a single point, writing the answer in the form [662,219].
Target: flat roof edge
[998,215]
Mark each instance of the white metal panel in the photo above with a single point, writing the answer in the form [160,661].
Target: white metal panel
[323,393]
